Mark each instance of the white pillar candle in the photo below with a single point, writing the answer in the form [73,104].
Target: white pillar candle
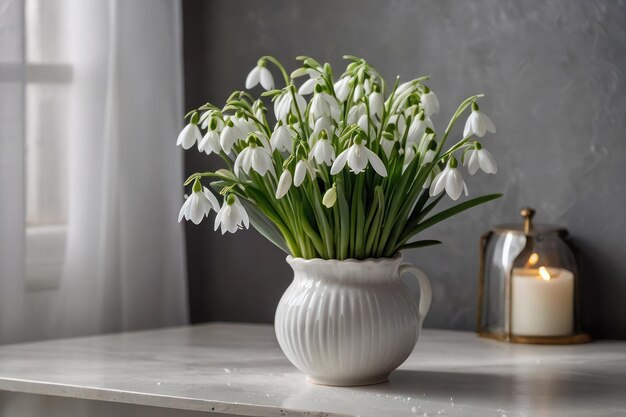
[542,302]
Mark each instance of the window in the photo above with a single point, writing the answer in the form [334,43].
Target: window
[48,80]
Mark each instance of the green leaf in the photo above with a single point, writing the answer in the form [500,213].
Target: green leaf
[452,211]
[419,244]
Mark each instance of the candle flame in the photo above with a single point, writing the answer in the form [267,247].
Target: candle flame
[544,273]
[533,259]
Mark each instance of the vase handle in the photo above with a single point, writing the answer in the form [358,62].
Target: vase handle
[426,292]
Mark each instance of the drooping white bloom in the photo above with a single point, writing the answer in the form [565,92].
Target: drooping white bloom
[478,123]
[376,104]
[324,104]
[255,157]
[357,157]
[451,180]
[232,216]
[430,103]
[330,197]
[198,204]
[188,136]
[285,104]
[284,184]
[418,128]
[323,152]
[355,113]
[229,136]
[342,88]
[480,158]
[210,143]
[302,168]
[281,139]
[260,74]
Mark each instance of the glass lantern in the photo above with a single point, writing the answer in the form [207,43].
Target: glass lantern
[528,285]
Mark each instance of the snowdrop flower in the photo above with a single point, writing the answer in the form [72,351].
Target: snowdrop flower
[342,88]
[449,179]
[480,158]
[281,139]
[418,128]
[478,123]
[376,104]
[255,157]
[284,184]
[324,104]
[356,112]
[229,136]
[323,151]
[285,103]
[210,143]
[302,168]
[330,196]
[357,157]
[260,74]
[232,216]
[430,102]
[198,204]
[190,133]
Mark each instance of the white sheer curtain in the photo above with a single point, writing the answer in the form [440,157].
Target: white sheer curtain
[123,264]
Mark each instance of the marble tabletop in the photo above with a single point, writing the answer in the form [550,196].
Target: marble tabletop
[239,369]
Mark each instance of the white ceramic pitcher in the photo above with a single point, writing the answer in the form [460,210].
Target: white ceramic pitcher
[350,322]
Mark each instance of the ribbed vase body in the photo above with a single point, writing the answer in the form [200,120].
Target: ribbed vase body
[347,322]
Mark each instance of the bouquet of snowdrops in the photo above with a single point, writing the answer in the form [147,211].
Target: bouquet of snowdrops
[346,168]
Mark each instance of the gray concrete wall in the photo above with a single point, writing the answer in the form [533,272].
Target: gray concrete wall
[553,72]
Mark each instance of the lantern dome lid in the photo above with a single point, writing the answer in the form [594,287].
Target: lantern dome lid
[529,228]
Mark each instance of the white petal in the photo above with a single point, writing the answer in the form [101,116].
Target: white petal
[267,81]
[253,77]
[244,215]
[183,211]
[212,199]
[357,158]
[376,162]
[339,163]
[487,162]
[308,86]
[478,126]
[454,184]
[218,217]
[468,126]
[472,162]
[488,123]
[439,183]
